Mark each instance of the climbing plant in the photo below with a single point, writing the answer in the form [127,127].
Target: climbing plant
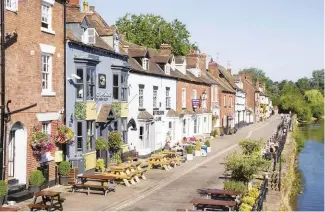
[80,110]
[116,108]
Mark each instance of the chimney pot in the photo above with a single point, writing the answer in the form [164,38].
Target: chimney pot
[92,8]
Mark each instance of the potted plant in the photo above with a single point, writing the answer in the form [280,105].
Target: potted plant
[207,143]
[36,179]
[189,151]
[100,165]
[3,191]
[198,148]
[64,170]
[64,135]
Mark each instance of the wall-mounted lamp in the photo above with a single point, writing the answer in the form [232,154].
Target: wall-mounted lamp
[73,76]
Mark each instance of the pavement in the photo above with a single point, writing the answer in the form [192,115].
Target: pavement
[171,190]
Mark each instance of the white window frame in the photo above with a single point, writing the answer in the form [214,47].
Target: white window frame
[46,127]
[167,69]
[145,63]
[141,98]
[184,126]
[48,90]
[168,98]
[194,94]
[183,97]
[11,5]
[155,98]
[87,34]
[224,101]
[49,4]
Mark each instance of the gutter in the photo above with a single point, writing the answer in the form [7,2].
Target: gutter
[3,67]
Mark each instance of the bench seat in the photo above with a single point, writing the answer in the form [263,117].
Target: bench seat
[38,206]
[89,186]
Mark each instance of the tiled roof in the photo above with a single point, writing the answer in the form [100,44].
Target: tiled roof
[250,84]
[144,115]
[172,113]
[74,16]
[137,52]
[161,58]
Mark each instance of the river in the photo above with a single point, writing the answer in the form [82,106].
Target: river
[311,165]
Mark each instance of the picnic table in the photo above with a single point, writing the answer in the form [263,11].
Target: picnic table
[8,209]
[47,196]
[219,194]
[213,204]
[159,160]
[123,172]
[96,178]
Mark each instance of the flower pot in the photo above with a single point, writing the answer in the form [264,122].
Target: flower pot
[189,157]
[34,188]
[64,180]
[197,153]
[208,149]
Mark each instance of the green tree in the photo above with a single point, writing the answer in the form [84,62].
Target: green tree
[315,99]
[317,80]
[303,84]
[152,30]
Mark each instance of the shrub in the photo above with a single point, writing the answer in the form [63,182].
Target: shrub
[299,139]
[36,178]
[254,192]
[249,200]
[101,144]
[245,207]
[249,146]
[115,141]
[207,143]
[100,165]
[189,150]
[64,168]
[198,146]
[3,188]
[235,186]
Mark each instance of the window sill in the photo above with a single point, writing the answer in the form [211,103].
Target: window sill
[48,93]
[49,31]
[11,10]
[142,109]
[155,108]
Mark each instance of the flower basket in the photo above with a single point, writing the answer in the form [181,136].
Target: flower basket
[40,143]
[64,135]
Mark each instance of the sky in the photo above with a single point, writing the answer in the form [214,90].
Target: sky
[284,38]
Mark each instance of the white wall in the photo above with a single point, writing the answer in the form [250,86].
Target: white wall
[158,129]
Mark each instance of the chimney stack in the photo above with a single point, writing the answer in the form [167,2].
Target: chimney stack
[213,68]
[85,4]
[203,62]
[92,8]
[165,49]
[74,5]
[257,84]
[229,67]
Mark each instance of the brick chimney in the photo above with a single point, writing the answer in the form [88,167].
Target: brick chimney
[247,77]
[203,62]
[213,68]
[74,5]
[257,85]
[165,49]
[195,59]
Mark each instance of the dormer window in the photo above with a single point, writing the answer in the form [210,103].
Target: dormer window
[167,69]
[89,36]
[198,73]
[145,63]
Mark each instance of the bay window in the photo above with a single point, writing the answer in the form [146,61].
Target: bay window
[85,83]
[90,135]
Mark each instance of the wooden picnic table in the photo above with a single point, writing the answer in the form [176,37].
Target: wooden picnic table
[217,193]
[47,196]
[97,178]
[124,172]
[8,209]
[212,204]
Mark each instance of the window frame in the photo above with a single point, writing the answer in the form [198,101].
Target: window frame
[167,69]
[184,126]
[124,130]
[48,72]
[85,82]
[116,76]
[141,96]
[79,150]
[141,136]
[183,97]
[48,127]
[13,5]
[49,16]
[145,63]
[90,83]
[124,87]
[168,98]
[155,97]
[92,136]
[224,101]
[194,94]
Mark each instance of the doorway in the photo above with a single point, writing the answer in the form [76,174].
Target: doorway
[17,149]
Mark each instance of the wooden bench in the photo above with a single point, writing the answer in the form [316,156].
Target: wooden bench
[8,209]
[212,204]
[38,206]
[219,194]
[90,186]
[130,154]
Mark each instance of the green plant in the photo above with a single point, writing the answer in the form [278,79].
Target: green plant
[250,145]
[207,143]
[245,207]
[115,141]
[36,178]
[100,165]
[3,188]
[80,110]
[235,186]
[216,133]
[116,108]
[64,168]
[253,192]
[249,200]
[198,146]
[116,158]
[101,144]
[189,150]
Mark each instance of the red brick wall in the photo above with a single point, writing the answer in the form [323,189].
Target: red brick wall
[250,91]
[226,109]
[23,69]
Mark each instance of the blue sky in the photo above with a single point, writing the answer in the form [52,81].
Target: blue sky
[285,38]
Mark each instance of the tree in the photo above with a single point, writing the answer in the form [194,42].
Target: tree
[152,30]
[316,101]
[318,80]
[303,84]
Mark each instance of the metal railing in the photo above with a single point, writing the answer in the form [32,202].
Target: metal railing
[262,196]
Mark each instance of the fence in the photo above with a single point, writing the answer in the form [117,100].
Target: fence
[262,196]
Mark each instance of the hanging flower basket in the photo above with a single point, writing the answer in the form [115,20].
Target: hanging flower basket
[40,143]
[64,135]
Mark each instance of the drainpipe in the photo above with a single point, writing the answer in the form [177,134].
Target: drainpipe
[2,125]
[64,62]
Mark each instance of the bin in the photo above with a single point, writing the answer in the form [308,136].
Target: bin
[204,150]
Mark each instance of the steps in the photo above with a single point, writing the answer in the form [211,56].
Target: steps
[18,192]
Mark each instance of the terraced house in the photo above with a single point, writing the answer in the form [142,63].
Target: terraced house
[34,89]
[97,84]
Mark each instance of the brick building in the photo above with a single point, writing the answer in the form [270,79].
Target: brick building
[34,83]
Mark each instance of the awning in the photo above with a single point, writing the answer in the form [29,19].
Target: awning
[145,116]
[105,113]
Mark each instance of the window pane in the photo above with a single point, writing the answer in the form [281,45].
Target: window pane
[80,74]
[115,80]
[115,93]
[79,143]
[79,129]
[141,133]
[91,76]
[80,91]
[90,91]
[122,79]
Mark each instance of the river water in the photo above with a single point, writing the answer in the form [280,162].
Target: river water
[311,165]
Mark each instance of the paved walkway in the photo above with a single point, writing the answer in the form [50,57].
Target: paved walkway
[167,191]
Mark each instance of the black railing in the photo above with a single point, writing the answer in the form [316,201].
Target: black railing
[262,196]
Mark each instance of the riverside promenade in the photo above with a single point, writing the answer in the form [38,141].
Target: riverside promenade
[171,190]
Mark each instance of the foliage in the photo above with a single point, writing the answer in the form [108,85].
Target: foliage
[250,145]
[116,158]
[153,30]
[198,146]
[235,186]
[40,142]
[315,100]
[64,135]
[245,207]
[299,139]
[101,144]
[249,200]
[115,141]
[36,178]
[100,165]
[317,81]
[80,110]
[64,168]
[207,143]
[243,167]
[3,188]
[303,84]
[189,150]
[116,108]
[253,192]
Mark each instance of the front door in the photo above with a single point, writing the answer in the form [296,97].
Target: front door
[11,156]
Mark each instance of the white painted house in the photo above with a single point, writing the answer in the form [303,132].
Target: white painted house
[240,103]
